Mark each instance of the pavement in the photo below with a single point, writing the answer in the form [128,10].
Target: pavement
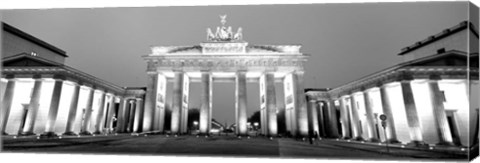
[190,145]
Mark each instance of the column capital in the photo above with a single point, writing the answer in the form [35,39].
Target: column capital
[405,76]
[299,72]
[10,76]
[152,72]
[434,77]
[363,89]
[312,100]
[177,71]
[59,77]
[75,84]
[37,77]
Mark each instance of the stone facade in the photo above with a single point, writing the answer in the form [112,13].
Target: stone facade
[42,96]
[426,99]
[225,58]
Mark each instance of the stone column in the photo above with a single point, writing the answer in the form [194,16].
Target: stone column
[387,110]
[263,120]
[87,113]
[137,124]
[321,118]
[436,96]
[372,132]
[33,106]
[177,102]
[72,111]
[241,102]
[271,104]
[99,118]
[333,120]
[411,112]
[355,119]
[160,103]
[54,106]
[150,98]
[111,112]
[131,115]
[121,119]
[301,112]
[205,109]
[344,120]
[7,101]
[23,116]
[184,108]
[289,86]
[312,117]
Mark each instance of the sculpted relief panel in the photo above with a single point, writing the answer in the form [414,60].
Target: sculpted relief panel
[224,64]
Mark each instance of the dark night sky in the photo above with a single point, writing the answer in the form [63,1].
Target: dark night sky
[345,41]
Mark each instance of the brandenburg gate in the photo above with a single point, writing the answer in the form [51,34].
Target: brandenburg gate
[226,57]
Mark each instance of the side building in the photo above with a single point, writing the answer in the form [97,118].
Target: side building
[43,96]
[430,99]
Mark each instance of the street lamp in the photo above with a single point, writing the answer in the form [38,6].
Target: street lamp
[195,123]
[256,125]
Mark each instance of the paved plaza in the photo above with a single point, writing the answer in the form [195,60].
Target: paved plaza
[218,146]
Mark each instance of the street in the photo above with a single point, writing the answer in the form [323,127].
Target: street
[215,146]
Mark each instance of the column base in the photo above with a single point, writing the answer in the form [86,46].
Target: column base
[420,144]
[445,144]
[4,133]
[26,134]
[392,141]
[358,139]
[242,134]
[375,140]
[85,133]
[272,135]
[49,135]
[69,133]
[203,134]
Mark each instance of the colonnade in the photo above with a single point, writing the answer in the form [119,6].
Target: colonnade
[65,114]
[359,112]
[155,102]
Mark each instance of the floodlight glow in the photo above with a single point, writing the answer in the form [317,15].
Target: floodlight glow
[22,90]
[397,106]
[223,74]
[63,108]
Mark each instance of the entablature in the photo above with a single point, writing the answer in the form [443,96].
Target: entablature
[66,73]
[405,74]
[225,63]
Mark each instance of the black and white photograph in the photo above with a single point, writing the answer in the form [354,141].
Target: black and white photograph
[321,81]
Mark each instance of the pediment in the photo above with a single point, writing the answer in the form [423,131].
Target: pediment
[449,60]
[26,60]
